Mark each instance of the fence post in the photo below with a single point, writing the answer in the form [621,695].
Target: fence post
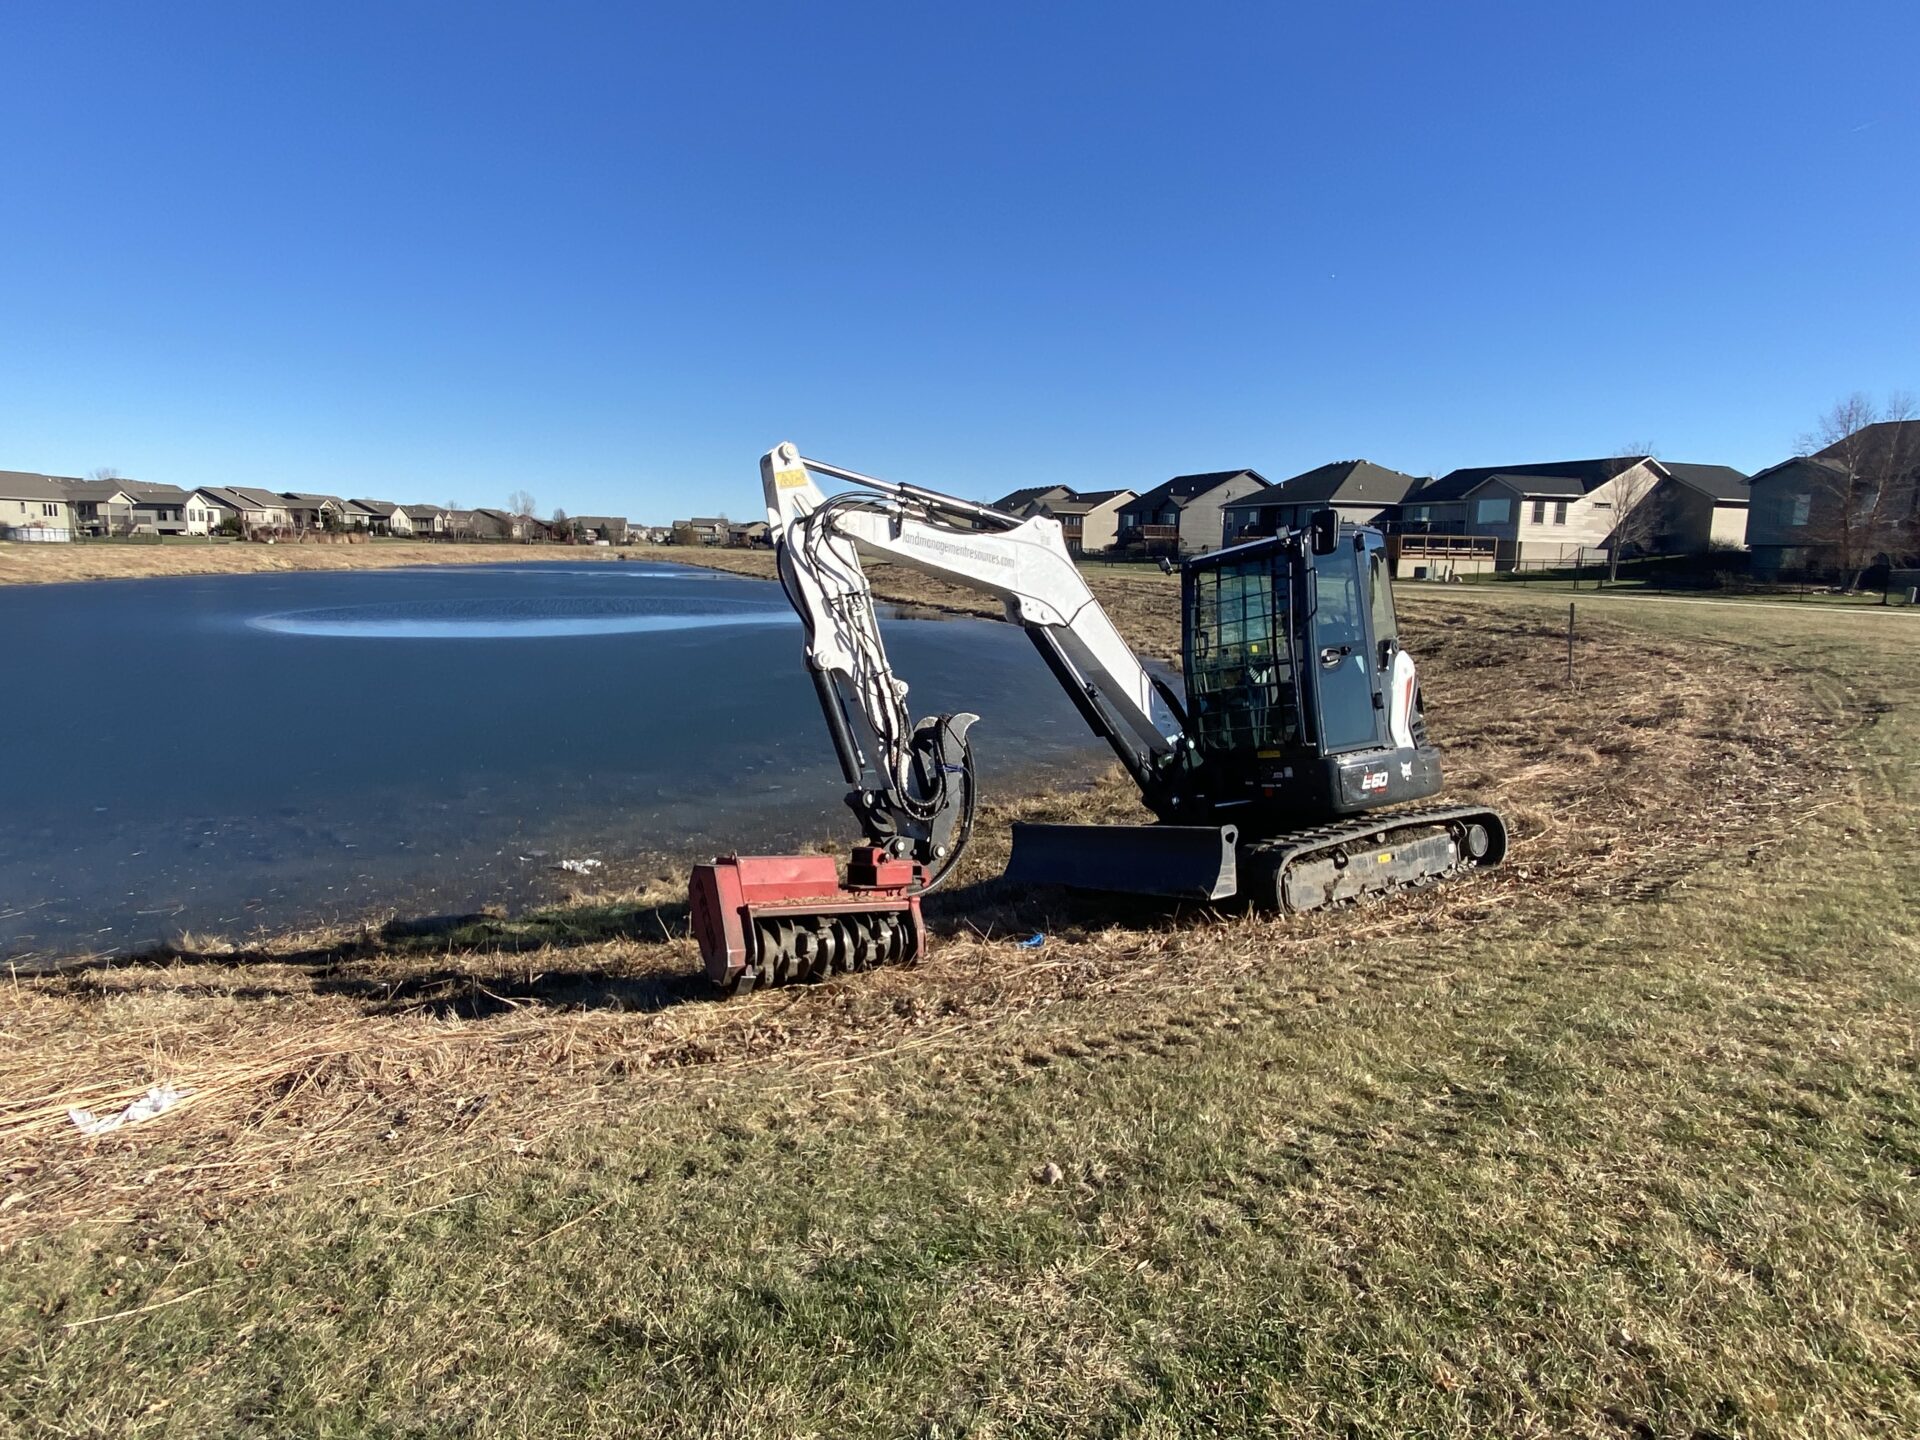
[1570,605]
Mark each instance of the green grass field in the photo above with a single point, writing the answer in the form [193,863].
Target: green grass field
[1632,1160]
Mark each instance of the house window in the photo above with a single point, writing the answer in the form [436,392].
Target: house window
[1802,508]
[1559,512]
[1539,512]
[1493,512]
[49,510]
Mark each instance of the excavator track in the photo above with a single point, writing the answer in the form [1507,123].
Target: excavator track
[1370,855]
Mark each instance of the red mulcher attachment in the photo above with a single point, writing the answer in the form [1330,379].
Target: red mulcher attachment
[769,919]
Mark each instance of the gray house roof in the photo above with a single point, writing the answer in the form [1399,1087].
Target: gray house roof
[1080,502]
[247,498]
[1182,490]
[155,494]
[1014,499]
[1344,482]
[25,485]
[310,502]
[1588,475]
[1560,487]
[1871,445]
[82,491]
[383,508]
[1722,484]
[426,512]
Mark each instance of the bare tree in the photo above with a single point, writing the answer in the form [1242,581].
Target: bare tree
[1863,491]
[103,472]
[522,504]
[559,516]
[1635,522]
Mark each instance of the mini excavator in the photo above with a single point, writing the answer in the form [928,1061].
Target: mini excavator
[1283,774]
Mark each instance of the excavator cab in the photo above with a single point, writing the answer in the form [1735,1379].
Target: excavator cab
[1301,702]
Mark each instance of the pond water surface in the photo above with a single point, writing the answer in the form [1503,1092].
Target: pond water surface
[223,754]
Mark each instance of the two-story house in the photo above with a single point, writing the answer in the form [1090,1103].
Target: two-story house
[1089,519]
[1842,509]
[1359,490]
[33,507]
[255,509]
[1553,512]
[314,512]
[1183,516]
[100,507]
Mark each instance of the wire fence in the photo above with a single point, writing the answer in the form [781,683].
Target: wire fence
[1702,580]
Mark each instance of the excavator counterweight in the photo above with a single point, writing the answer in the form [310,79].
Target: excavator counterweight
[1282,776]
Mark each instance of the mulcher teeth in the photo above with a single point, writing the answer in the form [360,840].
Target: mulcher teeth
[809,947]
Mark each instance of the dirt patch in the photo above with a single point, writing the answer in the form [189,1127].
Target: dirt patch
[379,1057]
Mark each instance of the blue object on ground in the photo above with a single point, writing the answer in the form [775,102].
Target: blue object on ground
[1033,941]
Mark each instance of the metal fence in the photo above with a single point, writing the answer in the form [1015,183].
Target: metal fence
[1696,579]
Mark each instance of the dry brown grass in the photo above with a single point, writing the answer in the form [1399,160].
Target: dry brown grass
[369,1061]
[52,564]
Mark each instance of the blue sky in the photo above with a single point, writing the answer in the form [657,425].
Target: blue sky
[609,253]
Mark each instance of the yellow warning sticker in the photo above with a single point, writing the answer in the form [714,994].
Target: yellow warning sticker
[1386,856]
[789,479]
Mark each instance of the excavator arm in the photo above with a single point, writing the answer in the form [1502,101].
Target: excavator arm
[912,783]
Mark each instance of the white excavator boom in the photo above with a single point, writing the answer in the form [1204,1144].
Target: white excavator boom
[1022,563]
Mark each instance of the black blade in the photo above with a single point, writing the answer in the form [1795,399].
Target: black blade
[1188,861]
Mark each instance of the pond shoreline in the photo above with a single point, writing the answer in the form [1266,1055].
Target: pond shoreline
[26,564]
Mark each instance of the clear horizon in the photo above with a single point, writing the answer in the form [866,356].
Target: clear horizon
[608,258]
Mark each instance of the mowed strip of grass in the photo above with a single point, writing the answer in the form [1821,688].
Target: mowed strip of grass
[1646,1169]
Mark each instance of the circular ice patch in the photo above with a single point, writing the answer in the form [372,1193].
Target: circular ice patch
[514,619]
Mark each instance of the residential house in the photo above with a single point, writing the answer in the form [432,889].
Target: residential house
[100,507]
[207,512]
[384,517]
[314,512]
[706,530]
[1359,490]
[33,507]
[1089,520]
[1695,508]
[613,529]
[499,525]
[159,509]
[1183,515]
[429,520]
[257,510]
[1027,502]
[1501,516]
[744,535]
[480,524]
[1841,510]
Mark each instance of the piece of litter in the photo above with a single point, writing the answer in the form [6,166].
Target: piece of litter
[157,1101]
[578,867]
[1033,941]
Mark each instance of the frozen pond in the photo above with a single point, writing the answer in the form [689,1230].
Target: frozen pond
[223,753]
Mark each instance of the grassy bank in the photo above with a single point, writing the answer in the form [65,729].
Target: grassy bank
[1620,1139]
[50,564]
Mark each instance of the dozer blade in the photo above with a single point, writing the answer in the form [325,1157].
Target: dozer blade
[1194,862]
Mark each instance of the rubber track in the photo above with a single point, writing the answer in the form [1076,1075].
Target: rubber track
[1283,852]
